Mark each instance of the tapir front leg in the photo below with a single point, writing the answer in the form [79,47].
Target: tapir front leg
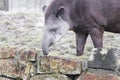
[97,37]
[80,42]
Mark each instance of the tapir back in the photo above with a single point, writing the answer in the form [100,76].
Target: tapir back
[104,13]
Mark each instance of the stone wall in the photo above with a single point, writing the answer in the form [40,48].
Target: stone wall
[27,64]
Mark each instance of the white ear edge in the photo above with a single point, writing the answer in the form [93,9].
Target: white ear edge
[44,7]
[61,7]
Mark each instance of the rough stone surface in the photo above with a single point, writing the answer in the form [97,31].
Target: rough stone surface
[14,68]
[50,77]
[104,61]
[33,69]
[71,67]
[21,64]
[48,64]
[95,76]
[2,78]
[27,54]
[6,53]
[21,54]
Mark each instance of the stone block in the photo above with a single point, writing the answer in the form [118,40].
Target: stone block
[26,54]
[72,67]
[21,54]
[15,69]
[33,69]
[2,78]
[98,76]
[50,77]
[49,64]
[103,59]
[43,64]
[6,53]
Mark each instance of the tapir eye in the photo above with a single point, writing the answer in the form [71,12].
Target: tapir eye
[53,30]
[57,15]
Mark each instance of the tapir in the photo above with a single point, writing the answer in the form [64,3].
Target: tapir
[84,17]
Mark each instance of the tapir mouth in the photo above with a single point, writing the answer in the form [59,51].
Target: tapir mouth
[45,48]
[46,43]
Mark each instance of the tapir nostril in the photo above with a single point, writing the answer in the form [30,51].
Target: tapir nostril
[51,42]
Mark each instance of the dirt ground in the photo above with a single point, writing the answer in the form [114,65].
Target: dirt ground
[25,30]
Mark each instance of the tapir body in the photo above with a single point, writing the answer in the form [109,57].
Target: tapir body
[84,17]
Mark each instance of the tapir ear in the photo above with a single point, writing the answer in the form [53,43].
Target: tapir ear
[60,11]
[44,7]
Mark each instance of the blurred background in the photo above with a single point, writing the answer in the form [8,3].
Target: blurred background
[22,5]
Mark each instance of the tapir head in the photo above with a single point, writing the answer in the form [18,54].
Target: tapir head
[56,26]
